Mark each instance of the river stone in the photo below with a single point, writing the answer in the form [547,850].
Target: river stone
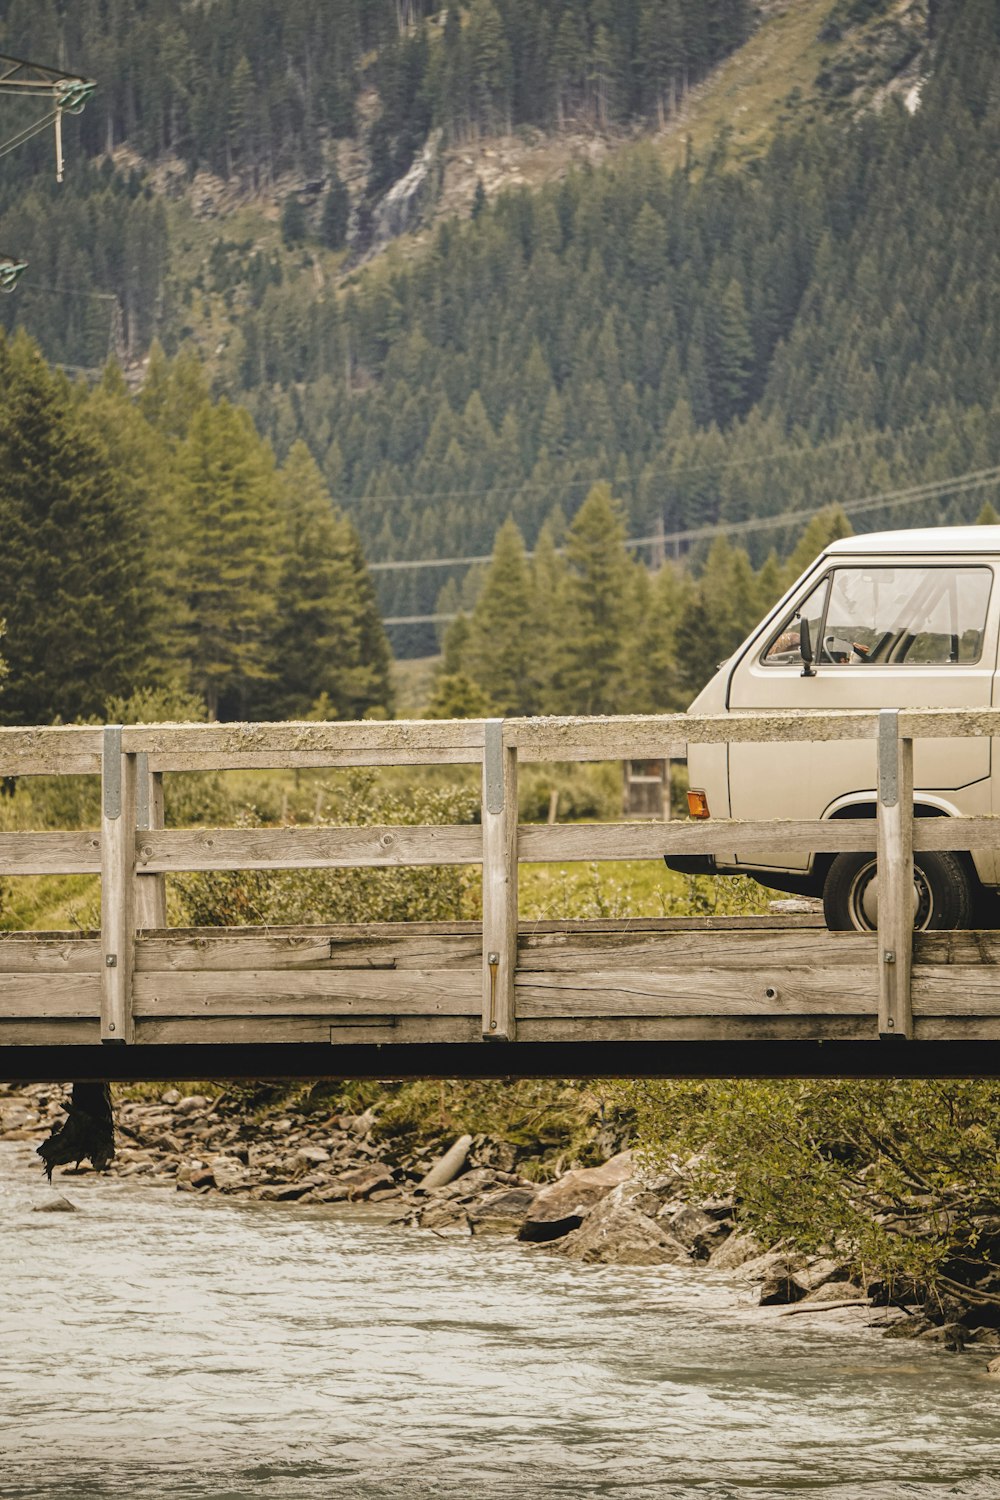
[56,1205]
[561,1206]
[776,1271]
[736,1251]
[503,1212]
[993,1368]
[190,1104]
[616,1233]
[695,1229]
[447,1215]
[448,1166]
[363,1181]
[835,1291]
[310,1156]
[818,1272]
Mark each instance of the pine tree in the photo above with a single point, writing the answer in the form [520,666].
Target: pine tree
[321,642]
[336,213]
[600,613]
[229,550]
[74,570]
[294,224]
[499,650]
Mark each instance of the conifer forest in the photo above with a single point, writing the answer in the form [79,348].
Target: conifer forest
[239,408]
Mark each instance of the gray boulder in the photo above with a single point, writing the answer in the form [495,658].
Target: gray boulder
[616,1232]
[562,1206]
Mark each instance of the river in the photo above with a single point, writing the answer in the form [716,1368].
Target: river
[155,1344]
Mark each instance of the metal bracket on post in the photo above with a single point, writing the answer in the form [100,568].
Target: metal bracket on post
[111,772]
[499,817]
[493,766]
[895,877]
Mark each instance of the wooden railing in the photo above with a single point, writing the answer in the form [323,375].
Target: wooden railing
[132,851]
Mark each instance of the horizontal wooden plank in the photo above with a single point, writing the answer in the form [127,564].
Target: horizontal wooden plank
[41,953]
[50,1033]
[279,1029]
[387,737]
[43,995]
[328,991]
[233,950]
[750,952]
[319,760]
[60,750]
[643,737]
[50,853]
[696,1029]
[307,848]
[600,841]
[695,992]
[956,1028]
[956,947]
[955,990]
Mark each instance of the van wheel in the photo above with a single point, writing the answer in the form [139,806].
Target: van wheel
[942,893]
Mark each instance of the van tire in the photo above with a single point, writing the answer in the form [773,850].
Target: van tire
[944,886]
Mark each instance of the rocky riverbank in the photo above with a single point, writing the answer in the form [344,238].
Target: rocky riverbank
[614,1213]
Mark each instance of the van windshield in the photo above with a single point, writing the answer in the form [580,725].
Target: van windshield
[913,616]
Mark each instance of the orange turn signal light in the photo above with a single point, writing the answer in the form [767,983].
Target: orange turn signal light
[698,804]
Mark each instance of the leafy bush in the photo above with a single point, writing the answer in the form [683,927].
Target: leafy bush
[900,1177]
[406,894]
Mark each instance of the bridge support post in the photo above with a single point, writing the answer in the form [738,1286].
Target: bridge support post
[118,881]
[895,877]
[499,884]
[151,890]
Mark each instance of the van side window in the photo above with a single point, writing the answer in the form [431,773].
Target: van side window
[912,616]
[783,649]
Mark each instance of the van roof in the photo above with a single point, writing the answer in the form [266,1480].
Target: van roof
[977,539]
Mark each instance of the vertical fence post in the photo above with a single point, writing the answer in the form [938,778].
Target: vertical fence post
[118,815]
[151,890]
[895,877]
[499,883]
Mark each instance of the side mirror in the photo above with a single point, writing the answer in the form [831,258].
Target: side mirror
[805,648]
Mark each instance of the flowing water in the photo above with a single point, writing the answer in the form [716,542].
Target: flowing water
[153,1344]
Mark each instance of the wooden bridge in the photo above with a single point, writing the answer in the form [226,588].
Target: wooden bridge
[761,996]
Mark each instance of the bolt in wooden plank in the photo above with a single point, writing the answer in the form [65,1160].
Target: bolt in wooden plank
[895,877]
[118,820]
[499,883]
[151,890]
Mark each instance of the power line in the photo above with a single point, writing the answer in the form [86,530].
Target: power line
[790,451]
[956,484]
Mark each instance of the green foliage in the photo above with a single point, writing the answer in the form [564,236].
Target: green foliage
[156,562]
[74,584]
[328,642]
[407,894]
[901,1177]
[457,696]
[335,214]
[294,224]
[228,546]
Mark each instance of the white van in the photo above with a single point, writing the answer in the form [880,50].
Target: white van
[901,619]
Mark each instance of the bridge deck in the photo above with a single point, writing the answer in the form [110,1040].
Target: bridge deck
[660,996]
[711,995]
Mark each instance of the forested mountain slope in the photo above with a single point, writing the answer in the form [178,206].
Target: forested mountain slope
[737,338]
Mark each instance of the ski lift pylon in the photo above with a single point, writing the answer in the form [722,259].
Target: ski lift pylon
[10,270]
[67,92]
